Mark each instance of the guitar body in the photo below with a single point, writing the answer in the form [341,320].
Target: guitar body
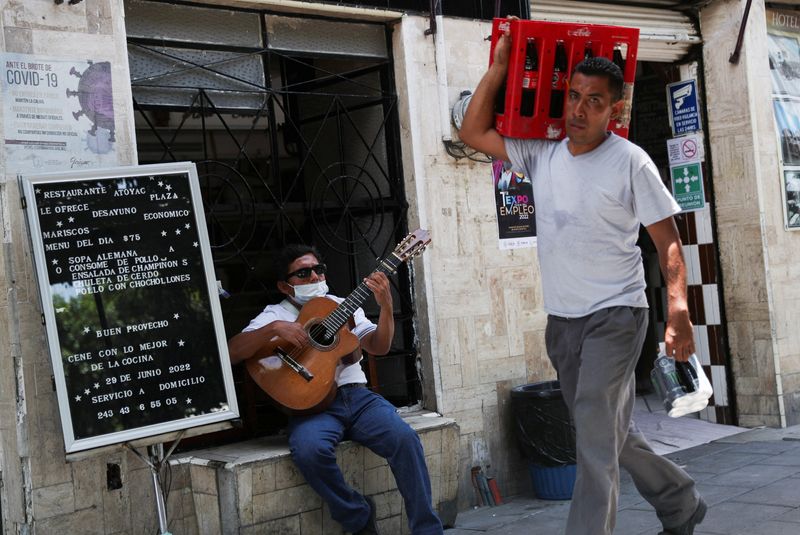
[320,358]
[301,379]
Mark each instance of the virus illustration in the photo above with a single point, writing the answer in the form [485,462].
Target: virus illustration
[97,103]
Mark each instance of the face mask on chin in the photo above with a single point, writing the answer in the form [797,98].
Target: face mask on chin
[303,293]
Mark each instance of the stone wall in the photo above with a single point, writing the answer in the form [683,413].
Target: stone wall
[254,487]
[479,309]
[40,489]
[783,270]
[756,252]
[245,488]
[483,321]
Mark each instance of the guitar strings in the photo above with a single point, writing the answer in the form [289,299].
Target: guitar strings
[340,314]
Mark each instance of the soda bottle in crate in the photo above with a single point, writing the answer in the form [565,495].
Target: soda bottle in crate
[530,79]
[559,82]
[528,106]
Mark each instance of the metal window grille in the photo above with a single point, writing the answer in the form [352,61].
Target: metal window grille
[293,126]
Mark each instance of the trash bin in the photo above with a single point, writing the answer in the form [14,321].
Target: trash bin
[546,437]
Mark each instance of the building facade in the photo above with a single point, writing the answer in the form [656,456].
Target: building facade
[367,89]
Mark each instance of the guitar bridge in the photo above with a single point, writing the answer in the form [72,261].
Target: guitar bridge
[294,365]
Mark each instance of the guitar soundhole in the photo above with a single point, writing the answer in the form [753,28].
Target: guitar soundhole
[320,337]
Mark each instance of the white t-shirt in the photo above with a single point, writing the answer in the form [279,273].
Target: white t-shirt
[286,311]
[588,211]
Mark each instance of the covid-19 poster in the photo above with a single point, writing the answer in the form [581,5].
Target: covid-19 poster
[58,114]
[516,217]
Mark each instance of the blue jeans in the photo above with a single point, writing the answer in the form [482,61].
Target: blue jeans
[360,415]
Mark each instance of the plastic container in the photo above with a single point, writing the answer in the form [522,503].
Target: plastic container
[553,482]
[538,79]
[544,429]
[683,386]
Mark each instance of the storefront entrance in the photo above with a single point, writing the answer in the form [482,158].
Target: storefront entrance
[292,123]
[650,129]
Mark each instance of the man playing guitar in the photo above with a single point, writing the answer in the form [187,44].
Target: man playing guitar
[356,412]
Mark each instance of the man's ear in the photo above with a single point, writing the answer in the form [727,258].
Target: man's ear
[616,108]
[285,288]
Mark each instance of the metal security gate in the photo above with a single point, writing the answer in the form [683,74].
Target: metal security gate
[293,126]
[667,33]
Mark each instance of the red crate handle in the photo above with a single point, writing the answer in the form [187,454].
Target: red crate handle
[576,37]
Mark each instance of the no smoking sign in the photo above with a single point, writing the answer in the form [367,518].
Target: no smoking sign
[689,149]
[685,149]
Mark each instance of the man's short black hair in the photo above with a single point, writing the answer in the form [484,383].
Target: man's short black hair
[600,66]
[289,254]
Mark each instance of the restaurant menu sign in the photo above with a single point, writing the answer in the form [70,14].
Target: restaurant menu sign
[129,301]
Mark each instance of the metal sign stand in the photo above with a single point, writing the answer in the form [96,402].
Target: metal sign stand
[156,460]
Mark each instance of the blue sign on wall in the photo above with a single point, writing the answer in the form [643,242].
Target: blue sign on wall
[684,113]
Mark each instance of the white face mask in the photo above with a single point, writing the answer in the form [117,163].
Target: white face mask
[303,293]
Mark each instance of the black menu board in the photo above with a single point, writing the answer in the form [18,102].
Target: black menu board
[130,302]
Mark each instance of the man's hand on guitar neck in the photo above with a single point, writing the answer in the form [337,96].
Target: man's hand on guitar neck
[379,341]
[378,283]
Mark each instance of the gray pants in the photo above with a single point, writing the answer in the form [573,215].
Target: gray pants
[595,357]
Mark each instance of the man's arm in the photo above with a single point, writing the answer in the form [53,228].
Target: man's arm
[245,345]
[477,129]
[379,341]
[679,336]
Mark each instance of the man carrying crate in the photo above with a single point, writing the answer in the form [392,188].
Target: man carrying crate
[593,190]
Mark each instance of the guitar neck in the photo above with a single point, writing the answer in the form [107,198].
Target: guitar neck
[338,318]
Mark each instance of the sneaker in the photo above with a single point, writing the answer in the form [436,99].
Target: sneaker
[687,528]
[371,527]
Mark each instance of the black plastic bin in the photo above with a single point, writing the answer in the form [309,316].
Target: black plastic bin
[544,428]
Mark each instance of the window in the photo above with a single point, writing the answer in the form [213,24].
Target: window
[293,126]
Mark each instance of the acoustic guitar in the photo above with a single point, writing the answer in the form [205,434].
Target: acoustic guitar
[301,378]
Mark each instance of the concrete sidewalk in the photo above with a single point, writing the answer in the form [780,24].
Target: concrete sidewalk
[750,480]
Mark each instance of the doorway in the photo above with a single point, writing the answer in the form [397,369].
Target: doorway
[650,129]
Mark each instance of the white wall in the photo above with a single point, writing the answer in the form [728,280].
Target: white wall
[37,482]
[756,253]
[483,322]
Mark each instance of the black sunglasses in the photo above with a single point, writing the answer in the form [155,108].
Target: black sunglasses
[304,273]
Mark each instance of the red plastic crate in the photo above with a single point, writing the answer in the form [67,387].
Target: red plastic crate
[603,40]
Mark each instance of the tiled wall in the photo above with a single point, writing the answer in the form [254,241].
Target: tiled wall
[704,284]
[700,251]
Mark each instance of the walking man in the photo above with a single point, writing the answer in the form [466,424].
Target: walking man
[592,191]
